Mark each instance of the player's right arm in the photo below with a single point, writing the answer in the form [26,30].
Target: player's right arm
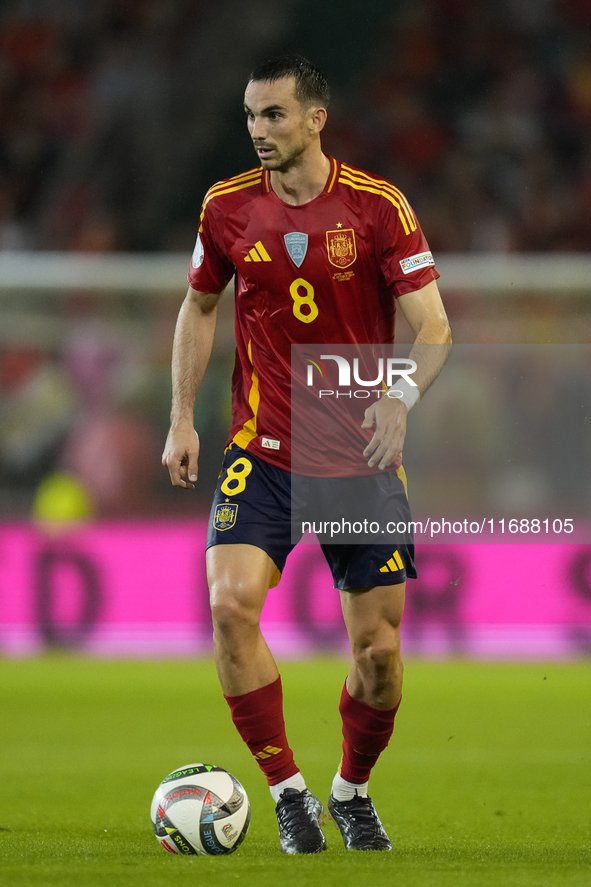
[191,350]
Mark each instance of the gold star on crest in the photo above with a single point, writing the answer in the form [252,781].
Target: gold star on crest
[339,224]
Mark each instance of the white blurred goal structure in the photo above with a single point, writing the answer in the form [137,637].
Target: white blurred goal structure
[501,298]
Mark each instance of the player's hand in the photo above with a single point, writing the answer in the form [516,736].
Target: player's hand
[388,415]
[180,455]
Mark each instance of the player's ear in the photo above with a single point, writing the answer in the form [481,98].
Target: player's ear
[317,118]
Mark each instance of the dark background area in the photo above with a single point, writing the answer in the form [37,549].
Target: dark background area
[117,115]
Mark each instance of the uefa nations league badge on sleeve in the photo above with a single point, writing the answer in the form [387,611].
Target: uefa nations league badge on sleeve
[197,257]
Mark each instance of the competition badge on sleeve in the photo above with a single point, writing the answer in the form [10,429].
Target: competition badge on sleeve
[198,254]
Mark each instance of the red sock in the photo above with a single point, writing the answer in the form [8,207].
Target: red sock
[366,733]
[258,717]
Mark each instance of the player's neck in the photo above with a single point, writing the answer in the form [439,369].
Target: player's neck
[304,182]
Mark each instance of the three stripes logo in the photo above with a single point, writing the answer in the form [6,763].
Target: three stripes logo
[393,565]
[267,752]
[258,254]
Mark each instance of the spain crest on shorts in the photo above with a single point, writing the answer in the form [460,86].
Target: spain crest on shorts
[342,249]
[224,516]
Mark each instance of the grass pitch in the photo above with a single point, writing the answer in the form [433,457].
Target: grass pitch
[487,780]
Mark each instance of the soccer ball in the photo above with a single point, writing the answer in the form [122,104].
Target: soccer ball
[200,809]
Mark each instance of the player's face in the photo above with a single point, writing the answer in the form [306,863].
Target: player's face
[280,128]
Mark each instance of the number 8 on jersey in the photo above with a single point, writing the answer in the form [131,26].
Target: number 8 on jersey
[300,301]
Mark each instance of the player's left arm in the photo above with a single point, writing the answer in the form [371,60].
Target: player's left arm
[426,317]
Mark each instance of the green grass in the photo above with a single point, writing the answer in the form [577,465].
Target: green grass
[486,782]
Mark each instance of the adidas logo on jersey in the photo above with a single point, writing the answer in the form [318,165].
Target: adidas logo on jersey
[393,565]
[258,254]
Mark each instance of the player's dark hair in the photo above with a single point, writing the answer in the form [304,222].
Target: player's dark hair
[311,86]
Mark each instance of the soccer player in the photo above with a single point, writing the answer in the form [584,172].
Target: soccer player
[321,253]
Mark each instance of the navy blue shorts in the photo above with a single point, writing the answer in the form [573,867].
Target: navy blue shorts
[253,505]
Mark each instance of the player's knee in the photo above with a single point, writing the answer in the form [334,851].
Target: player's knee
[378,653]
[233,617]
[382,657]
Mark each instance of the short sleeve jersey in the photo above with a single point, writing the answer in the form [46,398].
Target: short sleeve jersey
[325,272]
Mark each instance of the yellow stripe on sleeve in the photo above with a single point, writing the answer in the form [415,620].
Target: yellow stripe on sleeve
[381,186]
[229,190]
[384,184]
[375,190]
[235,180]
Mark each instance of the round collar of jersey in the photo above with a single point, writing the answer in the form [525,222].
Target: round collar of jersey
[332,176]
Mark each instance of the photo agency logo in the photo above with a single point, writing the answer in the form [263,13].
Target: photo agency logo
[385,372]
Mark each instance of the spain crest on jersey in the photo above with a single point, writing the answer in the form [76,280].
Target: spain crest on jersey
[342,249]
[224,516]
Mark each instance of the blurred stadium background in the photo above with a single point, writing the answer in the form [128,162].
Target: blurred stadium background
[115,117]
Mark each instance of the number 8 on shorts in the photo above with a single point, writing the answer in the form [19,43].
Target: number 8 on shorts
[235,481]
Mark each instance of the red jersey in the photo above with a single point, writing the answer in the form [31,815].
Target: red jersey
[326,272]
